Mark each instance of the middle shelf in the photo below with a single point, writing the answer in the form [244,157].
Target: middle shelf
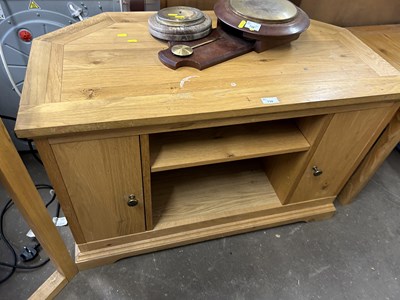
[198,147]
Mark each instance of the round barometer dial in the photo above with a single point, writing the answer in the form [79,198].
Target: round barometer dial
[265,10]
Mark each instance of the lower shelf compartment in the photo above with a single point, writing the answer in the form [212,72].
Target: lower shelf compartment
[207,193]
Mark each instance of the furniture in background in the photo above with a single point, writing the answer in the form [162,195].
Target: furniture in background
[384,40]
[200,4]
[336,12]
[353,13]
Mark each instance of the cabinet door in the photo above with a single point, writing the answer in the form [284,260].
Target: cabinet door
[100,175]
[345,142]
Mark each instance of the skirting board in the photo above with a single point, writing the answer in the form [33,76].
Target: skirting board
[93,258]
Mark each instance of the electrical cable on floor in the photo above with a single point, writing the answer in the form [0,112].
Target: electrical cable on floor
[4,239]
[15,266]
[25,267]
[8,118]
[33,152]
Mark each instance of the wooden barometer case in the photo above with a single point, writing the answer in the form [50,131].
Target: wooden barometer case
[242,26]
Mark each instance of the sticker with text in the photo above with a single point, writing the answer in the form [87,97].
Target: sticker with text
[270,100]
[252,26]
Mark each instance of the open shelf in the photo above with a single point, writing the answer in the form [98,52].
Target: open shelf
[183,149]
[209,193]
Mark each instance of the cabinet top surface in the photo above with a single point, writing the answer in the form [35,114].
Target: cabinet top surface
[104,73]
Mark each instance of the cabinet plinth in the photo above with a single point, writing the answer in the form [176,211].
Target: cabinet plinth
[144,158]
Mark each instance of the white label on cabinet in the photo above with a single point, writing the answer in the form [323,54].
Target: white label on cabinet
[270,100]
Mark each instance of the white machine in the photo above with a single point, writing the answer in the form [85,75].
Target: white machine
[23,20]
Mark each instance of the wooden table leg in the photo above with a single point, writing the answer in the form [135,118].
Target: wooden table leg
[16,179]
[374,159]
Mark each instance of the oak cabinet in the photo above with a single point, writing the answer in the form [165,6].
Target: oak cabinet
[144,158]
[101,176]
[162,189]
[214,175]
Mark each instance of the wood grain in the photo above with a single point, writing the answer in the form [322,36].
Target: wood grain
[230,218]
[146,172]
[274,217]
[353,13]
[109,83]
[50,288]
[35,84]
[367,55]
[70,33]
[285,171]
[99,176]
[346,149]
[385,40]
[200,147]
[210,193]
[97,129]
[380,151]
[55,71]
[15,178]
[54,173]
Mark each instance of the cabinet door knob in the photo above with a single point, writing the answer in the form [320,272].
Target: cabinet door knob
[132,201]
[316,171]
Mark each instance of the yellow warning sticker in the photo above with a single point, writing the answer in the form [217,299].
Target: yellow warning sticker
[122,34]
[179,17]
[132,41]
[33,5]
[241,24]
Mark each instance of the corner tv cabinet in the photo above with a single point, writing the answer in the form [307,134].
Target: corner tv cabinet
[144,158]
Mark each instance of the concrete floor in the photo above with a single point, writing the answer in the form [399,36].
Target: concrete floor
[354,255]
